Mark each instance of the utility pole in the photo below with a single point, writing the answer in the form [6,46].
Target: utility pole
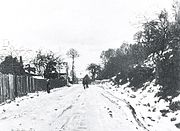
[67,68]
[67,74]
[73,70]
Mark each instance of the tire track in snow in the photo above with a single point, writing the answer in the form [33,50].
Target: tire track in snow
[66,116]
[63,126]
[65,110]
[75,122]
[76,118]
[128,105]
[68,108]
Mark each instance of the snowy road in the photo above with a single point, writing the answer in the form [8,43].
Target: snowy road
[69,109]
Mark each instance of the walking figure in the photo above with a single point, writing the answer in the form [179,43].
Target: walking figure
[86,81]
[48,86]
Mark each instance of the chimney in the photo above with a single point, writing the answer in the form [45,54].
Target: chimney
[178,15]
[21,60]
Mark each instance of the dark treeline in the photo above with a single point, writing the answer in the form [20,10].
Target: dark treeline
[45,63]
[154,55]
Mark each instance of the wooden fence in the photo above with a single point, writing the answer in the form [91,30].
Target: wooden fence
[12,86]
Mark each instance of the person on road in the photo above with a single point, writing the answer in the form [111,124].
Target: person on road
[86,81]
[48,86]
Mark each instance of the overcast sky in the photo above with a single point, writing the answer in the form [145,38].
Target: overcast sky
[89,26]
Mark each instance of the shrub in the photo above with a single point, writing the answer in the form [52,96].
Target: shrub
[139,75]
[174,106]
[168,76]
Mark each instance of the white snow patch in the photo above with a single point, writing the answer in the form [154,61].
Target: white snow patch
[148,107]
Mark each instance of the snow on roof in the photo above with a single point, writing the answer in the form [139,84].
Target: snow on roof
[38,77]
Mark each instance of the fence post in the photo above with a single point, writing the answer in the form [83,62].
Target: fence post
[24,85]
[19,86]
[27,84]
[33,85]
[11,86]
[8,87]
[4,88]
[1,90]
[15,86]
[20,83]
[30,84]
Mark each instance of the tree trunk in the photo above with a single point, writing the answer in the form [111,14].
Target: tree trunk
[73,70]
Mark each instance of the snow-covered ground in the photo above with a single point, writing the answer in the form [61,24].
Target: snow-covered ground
[148,109]
[101,107]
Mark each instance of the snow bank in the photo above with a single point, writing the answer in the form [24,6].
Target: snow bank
[152,112]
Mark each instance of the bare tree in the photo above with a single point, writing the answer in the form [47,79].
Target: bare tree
[176,9]
[72,53]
